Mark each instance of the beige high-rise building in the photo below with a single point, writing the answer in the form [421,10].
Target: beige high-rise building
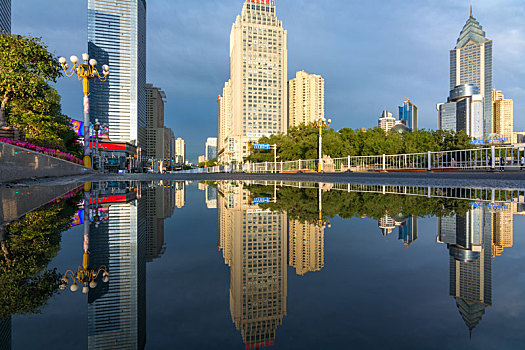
[305,247]
[305,99]
[225,115]
[258,64]
[502,231]
[254,245]
[502,115]
[180,150]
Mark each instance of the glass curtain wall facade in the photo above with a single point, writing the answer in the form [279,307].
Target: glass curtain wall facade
[5,16]
[408,114]
[471,63]
[258,54]
[117,36]
[117,311]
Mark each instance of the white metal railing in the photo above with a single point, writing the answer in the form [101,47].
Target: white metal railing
[493,158]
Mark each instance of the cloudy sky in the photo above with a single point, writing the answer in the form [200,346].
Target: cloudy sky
[371,53]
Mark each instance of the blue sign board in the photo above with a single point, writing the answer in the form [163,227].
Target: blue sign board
[262,146]
[261,200]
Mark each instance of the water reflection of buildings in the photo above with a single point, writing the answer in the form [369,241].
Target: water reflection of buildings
[306,246]
[132,235]
[408,227]
[254,246]
[5,333]
[469,240]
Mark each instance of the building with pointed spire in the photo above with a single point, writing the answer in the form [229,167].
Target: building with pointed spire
[471,63]
[259,66]
[469,241]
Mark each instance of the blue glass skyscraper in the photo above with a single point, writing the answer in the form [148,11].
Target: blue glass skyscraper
[408,114]
[5,16]
[117,37]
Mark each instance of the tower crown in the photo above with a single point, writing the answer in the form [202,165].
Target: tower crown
[471,32]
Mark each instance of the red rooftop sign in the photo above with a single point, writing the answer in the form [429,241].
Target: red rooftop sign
[264,2]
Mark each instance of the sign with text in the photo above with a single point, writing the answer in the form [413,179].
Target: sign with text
[261,146]
[260,200]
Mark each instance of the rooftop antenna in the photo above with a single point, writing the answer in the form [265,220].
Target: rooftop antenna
[471,11]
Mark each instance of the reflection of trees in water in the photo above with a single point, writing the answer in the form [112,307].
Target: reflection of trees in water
[27,248]
[302,203]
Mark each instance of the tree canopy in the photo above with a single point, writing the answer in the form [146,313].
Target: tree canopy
[302,204]
[302,143]
[28,101]
[30,244]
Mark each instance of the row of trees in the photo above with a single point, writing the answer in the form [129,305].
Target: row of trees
[302,204]
[302,143]
[28,100]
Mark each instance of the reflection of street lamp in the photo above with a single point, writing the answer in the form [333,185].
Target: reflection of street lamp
[85,276]
[85,71]
[321,123]
[321,222]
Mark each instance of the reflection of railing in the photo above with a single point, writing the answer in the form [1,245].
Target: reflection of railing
[492,195]
[493,158]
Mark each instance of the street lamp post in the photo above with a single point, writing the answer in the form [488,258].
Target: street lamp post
[85,71]
[96,127]
[321,123]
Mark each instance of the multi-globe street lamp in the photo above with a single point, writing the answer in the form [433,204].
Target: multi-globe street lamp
[85,276]
[85,72]
[322,124]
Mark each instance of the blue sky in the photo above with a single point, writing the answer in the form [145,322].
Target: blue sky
[371,54]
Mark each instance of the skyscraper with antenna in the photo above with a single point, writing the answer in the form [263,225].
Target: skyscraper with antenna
[471,63]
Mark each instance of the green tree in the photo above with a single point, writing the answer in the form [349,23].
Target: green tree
[28,101]
[30,244]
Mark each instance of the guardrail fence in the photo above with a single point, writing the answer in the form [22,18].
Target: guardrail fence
[492,158]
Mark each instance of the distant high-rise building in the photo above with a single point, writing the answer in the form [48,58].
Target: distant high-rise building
[225,115]
[386,224]
[305,99]
[471,63]
[408,114]
[180,151]
[211,197]
[158,137]
[387,121]
[305,246]
[463,111]
[160,205]
[258,54]
[503,115]
[211,148]
[408,230]
[5,16]
[180,194]
[202,159]
[117,36]
[469,241]
[502,231]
